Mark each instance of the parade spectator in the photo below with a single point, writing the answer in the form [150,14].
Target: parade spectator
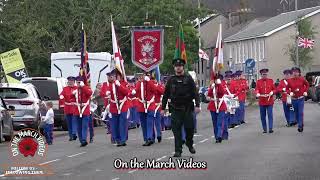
[49,122]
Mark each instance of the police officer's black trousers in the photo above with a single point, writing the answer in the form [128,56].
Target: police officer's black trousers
[179,118]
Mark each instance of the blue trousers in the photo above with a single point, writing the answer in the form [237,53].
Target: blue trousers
[298,105]
[72,125]
[134,116]
[232,119]
[264,110]
[119,127]
[82,124]
[237,116]
[158,124]
[91,128]
[289,114]
[195,120]
[147,124]
[227,118]
[242,111]
[48,129]
[218,123]
[167,121]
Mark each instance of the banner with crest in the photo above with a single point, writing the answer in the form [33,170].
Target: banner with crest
[147,47]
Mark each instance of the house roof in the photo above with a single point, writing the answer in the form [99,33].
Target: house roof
[273,24]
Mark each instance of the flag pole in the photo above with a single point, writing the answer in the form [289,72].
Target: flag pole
[297,36]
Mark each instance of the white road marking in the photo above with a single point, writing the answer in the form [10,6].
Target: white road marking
[197,135]
[67,174]
[115,179]
[161,158]
[170,137]
[98,170]
[173,152]
[132,171]
[212,136]
[204,140]
[49,162]
[76,154]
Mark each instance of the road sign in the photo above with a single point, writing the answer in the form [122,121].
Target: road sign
[250,63]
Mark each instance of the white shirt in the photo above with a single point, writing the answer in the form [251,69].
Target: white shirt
[49,118]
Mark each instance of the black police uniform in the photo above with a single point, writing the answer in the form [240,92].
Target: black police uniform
[181,90]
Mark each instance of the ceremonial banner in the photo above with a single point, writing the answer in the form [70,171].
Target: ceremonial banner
[147,48]
[13,66]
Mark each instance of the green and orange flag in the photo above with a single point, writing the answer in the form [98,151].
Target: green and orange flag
[180,51]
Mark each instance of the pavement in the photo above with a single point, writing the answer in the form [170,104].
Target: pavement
[247,155]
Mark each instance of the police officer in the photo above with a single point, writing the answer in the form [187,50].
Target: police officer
[67,101]
[181,89]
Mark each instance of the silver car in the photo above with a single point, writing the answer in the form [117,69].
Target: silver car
[6,126]
[26,100]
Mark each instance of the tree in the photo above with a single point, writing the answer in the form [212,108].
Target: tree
[40,28]
[306,30]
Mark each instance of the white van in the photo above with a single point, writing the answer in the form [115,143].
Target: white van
[65,64]
[50,89]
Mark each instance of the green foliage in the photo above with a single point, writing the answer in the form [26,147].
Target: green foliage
[306,30]
[39,28]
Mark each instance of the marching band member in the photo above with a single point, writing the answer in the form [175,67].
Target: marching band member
[103,93]
[298,88]
[233,87]
[264,91]
[158,98]
[132,107]
[119,108]
[145,92]
[67,101]
[217,108]
[230,113]
[82,95]
[244,87]
[286,99]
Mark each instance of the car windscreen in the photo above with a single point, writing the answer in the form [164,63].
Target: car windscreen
[46,88]
[13,93]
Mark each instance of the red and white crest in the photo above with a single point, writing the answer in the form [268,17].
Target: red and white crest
[147,48]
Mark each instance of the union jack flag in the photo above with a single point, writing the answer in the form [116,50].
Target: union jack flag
[305,42]
[84,67]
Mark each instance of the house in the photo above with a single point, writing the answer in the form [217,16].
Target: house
[267,43]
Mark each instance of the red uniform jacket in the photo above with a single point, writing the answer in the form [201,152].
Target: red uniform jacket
[221,91]
[264,87]
[84,95]
[119,94]
[159,93]
[67,99]
[130,96]
[149,91]
[243,87]
[298,86]
[103,92]
[283,85]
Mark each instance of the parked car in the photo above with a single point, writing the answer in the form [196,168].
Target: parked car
[50,89]
[314,90]
[26,100]
[6,126]
[203,93]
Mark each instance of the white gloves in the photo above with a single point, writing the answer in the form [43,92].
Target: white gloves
[291,94]
[74,92]
[284,89]
[212,85]
[107,93]
[133,92]
[81,84]
[305,94]
[218,81]
[61,97]
[117,83]
[271,93]
[258,95]
[297,90]
[146,78]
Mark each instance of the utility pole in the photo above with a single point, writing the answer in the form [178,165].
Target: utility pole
[297,36]
[199,39]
